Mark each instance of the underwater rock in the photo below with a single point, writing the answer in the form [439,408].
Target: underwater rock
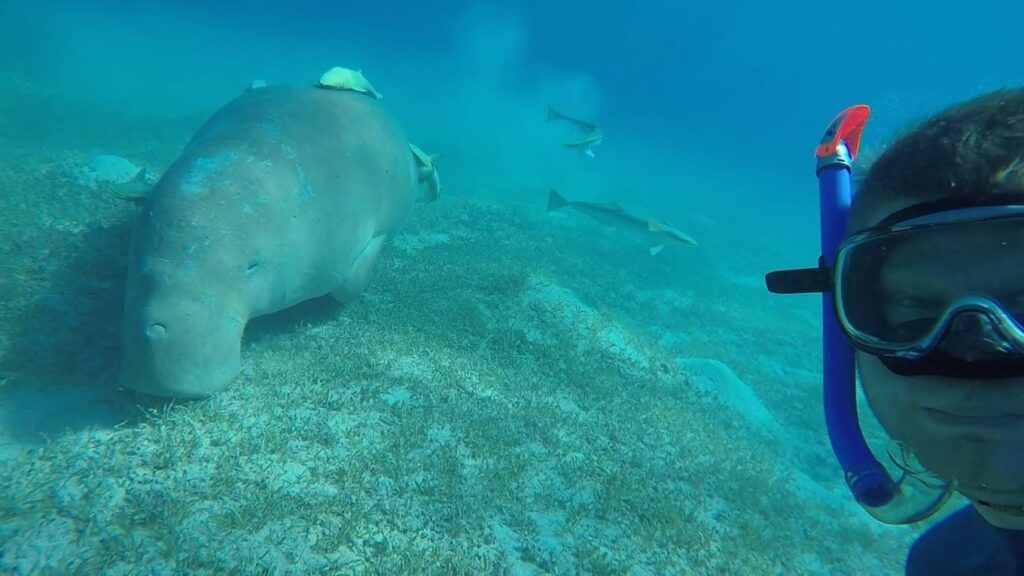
[714,378]
[104,169]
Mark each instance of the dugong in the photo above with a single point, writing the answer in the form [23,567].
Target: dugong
[284,194]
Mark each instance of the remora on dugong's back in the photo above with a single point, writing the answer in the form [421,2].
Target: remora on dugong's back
[285,194]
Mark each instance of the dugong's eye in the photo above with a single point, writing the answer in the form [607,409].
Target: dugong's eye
[254,266]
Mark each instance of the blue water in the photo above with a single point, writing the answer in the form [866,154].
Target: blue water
[710,113]
[680,73]
[750,85]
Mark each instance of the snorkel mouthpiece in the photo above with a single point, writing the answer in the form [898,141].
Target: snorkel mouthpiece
[871,486]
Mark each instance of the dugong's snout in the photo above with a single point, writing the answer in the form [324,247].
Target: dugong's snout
[180,350]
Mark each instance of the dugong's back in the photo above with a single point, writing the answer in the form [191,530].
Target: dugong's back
[275,200]
[335,150]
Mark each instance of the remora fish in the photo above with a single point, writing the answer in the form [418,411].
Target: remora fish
[427,164]
[134,190]
[613,215]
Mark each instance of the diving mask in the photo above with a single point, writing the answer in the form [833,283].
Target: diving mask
[936,288]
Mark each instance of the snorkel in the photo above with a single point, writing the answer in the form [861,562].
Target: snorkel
[916,495]
[865,475]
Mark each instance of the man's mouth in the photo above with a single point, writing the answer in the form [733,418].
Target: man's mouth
[975,419]
[1011,510]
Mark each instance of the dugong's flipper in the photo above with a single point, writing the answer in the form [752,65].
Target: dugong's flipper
[360,272]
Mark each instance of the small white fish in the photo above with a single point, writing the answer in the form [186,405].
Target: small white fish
[427,172]
[339,78]
[136,190]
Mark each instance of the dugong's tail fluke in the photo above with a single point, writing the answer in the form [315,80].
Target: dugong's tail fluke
[556,200]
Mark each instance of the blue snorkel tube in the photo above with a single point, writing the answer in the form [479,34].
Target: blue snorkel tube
[917,494]
[865,475]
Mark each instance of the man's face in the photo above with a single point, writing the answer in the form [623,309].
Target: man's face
[970,430]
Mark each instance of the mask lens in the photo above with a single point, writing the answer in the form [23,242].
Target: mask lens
[896,288]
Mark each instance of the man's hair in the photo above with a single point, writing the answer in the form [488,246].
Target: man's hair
[969,149]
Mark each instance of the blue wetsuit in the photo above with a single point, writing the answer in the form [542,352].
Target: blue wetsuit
[964,544]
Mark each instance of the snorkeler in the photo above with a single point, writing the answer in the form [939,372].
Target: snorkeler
[922,273]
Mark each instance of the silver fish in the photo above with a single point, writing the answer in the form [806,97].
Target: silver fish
[555,116]
[615,216]
[587,142]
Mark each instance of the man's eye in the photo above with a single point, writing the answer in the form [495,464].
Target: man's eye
[912,301]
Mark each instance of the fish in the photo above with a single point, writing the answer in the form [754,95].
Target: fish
[591,134]
[339,78]
[427,165]
[587,142]
[615,216]
[135,190]
[555,116]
